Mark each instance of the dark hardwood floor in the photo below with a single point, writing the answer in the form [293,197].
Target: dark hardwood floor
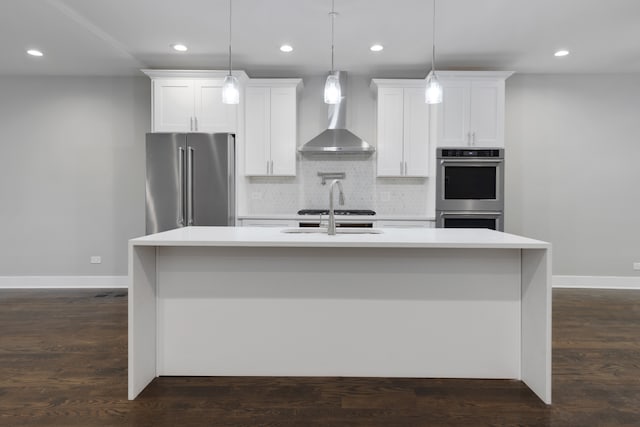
[63,362]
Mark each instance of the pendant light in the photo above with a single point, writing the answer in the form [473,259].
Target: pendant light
[332,90]
[230,87]
[433,92]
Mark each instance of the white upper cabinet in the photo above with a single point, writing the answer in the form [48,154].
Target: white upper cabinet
[402,128]
[472,110]
[191,101]
[271,127]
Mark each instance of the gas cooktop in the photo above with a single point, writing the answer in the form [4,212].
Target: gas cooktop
[336,211]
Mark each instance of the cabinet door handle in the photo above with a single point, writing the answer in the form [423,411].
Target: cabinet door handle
[267,167]
[271,167]
[405,169]
[190,124]
[400,168]
[195,120]
[468,138]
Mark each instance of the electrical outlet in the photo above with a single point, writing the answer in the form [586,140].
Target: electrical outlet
[95,260]
[636,265]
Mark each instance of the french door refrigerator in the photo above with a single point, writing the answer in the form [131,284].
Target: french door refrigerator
[190,180]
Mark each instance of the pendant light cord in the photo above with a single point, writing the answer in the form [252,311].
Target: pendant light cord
[333,18]
[230,37]
[433,39]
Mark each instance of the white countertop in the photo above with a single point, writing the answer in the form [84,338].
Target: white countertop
[388,238]
[340,217]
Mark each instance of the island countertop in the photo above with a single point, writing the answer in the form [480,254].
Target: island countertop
[387,238]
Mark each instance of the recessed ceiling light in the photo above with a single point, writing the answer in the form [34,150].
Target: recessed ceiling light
[286,48]
[35,52]
[179,47]
[561,53]
[376,48]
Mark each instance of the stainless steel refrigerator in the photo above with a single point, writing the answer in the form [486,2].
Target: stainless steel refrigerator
[190,180]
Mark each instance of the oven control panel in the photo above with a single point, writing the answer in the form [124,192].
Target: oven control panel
[445,153]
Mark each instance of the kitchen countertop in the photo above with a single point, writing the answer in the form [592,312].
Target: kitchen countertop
[376,217]
[388,238]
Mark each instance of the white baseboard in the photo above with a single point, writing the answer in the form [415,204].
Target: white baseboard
[90,282]
[62,282]
[597,282]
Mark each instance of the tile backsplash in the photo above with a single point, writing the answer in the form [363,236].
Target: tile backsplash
[362,190]
[358,184]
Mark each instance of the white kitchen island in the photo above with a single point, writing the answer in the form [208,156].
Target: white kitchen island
[433,303]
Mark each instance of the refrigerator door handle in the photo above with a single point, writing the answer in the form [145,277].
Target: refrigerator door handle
[231,183]
[181,177]
[190,171]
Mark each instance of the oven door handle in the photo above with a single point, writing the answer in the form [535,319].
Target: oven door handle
[471,214]
[461,162]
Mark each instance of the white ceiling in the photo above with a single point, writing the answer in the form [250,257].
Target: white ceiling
[118,37]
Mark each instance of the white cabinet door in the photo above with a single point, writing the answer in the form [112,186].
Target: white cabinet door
[257,130]
[486,122]
[211,115]
[453,129]
[390,131]
[416,133]
[283,131]
[172,105]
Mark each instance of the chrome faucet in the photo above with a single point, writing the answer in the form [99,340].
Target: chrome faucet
[331,230]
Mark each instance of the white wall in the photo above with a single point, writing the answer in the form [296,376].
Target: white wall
[72,175]
[573,169]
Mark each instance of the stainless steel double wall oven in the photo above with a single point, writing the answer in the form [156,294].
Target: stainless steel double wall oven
[470,188]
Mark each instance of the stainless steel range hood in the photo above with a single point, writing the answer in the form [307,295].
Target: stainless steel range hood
[337,139]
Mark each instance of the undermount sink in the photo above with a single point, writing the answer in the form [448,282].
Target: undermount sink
[341,230]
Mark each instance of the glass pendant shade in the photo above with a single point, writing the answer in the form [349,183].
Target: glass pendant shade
[433,93]
[230,90]
[332,91]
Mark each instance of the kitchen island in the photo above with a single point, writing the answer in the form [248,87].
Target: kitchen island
[436,303]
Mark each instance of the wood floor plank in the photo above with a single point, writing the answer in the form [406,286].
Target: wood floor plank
[63,362]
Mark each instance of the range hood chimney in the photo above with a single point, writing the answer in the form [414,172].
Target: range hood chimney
[337,139]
